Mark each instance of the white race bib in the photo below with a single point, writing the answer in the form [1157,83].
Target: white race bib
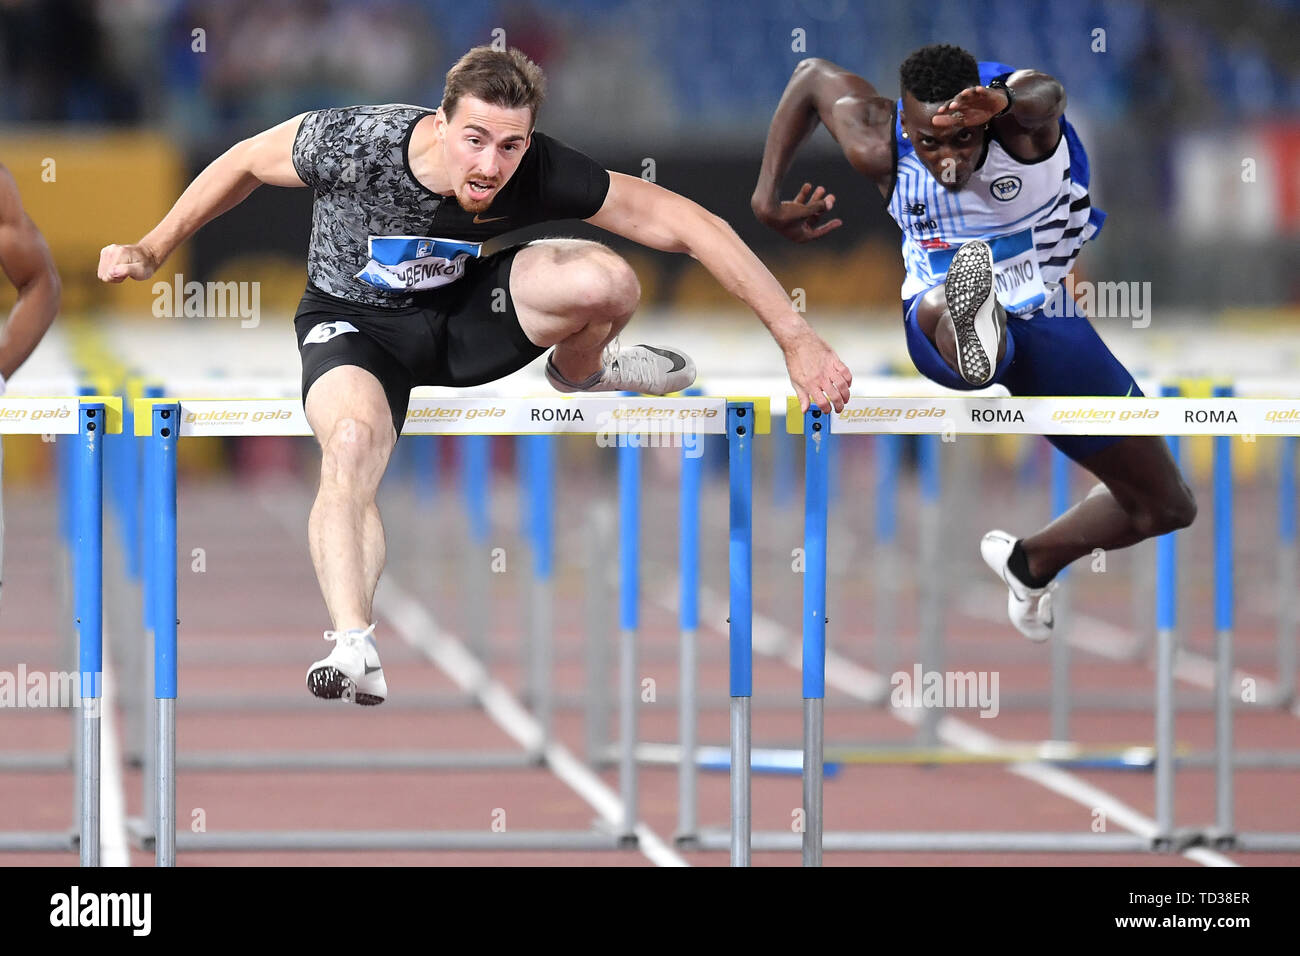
[1017,281]
[415,263]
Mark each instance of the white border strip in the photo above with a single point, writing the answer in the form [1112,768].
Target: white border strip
[592,415]
[39,416]
[578,415]
[1068,416]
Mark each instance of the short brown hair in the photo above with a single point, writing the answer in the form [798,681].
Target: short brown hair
[500,77]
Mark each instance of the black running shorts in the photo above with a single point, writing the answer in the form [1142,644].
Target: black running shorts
[466,333]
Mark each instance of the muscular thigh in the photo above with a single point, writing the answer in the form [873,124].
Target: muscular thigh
[558,285]
[1137,469]
[346,406]
[383,345]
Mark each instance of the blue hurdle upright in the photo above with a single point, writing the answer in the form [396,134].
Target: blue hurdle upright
[80,489]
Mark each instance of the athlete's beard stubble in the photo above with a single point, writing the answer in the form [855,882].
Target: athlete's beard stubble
[476,205]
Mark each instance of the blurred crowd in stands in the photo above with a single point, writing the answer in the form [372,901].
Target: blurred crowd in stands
[684,69]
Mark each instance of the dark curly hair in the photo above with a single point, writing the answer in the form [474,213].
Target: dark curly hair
[938,72]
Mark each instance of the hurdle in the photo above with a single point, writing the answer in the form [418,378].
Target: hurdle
[1164,583]
[1057,752]
[280,393]
[474,477]
[875,692]
[1060,698]
[90,418]
[64,482]
[1168,416]
[160,422]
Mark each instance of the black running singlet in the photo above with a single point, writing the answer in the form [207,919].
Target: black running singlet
[378,235]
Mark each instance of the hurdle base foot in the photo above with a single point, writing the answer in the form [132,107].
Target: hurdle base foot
[687,841]
[623,840]
[142,838]
[1177,841]
[1219,840]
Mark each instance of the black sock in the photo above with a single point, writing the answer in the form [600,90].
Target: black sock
[586,383]
[1018,565]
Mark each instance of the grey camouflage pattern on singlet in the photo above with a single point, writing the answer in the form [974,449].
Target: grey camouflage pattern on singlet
[353,158]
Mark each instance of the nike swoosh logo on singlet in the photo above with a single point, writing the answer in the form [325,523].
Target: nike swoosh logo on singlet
[493,219]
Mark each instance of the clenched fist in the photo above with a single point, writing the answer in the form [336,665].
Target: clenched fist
[125,262]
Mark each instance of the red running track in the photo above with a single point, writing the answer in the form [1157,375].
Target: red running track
[251,623]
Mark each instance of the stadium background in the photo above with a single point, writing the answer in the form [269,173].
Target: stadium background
[131,99]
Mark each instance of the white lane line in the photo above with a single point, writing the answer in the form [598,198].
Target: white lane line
[856,681]
[1114,643]
[115,846]
[417,626]
[419,629]
[967,737]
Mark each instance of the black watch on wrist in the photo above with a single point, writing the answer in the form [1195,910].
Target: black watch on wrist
[1000,83]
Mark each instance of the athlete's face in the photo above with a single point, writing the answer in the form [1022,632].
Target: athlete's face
[950,154]
[482,146]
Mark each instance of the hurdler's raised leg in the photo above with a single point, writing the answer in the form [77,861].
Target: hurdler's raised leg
[578,296]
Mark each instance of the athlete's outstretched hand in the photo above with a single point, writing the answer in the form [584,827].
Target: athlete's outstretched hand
[797,219]
[973,106]
[125,262]
[817,374]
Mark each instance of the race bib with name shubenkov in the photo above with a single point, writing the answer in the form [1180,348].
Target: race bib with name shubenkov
[414,263]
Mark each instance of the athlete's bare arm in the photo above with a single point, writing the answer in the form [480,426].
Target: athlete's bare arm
[1030,130]
[227,181]
[26,261]
[853,112]
[655,217]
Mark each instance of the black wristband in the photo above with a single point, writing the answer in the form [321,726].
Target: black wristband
[1000,83]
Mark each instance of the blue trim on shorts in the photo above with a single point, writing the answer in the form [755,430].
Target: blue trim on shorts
[1046,355]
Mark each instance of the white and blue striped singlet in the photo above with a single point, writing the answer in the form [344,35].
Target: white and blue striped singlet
[1035,215]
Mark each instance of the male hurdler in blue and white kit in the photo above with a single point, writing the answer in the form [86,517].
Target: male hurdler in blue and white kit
[989,184]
